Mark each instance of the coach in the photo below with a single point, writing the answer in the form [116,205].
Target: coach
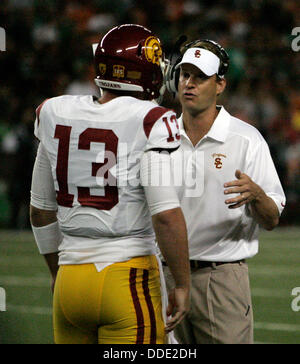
[240,192]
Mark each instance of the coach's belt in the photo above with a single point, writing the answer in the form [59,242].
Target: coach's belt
[197,264]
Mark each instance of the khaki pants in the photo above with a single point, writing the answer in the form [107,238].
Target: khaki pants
[221,309]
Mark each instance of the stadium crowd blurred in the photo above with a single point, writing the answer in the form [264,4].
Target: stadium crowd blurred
[48,53]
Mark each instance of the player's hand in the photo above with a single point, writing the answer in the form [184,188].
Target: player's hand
[179,304]
[248,190]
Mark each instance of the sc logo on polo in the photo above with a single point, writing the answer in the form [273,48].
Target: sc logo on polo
[218,163]
[218,159]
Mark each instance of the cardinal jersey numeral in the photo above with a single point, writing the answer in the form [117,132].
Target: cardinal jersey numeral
[171,137]
[85,198]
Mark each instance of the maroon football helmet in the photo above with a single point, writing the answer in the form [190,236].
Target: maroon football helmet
[130,58]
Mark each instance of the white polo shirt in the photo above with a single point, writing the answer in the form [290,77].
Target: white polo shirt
[215,232]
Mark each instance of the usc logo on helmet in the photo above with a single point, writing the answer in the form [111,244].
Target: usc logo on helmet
[153,50]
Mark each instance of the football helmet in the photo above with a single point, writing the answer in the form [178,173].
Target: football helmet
[130,58]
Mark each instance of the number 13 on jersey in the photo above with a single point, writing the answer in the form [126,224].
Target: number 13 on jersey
[85,198]
[84,173]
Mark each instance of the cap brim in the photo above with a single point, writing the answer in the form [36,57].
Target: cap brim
[203,59]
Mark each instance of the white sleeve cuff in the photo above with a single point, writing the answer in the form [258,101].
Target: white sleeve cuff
[279,200]
[48,238]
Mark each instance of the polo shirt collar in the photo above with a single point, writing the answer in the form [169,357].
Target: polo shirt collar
[219,129]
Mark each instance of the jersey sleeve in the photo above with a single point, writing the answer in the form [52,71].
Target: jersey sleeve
[262,170]
[43,195]
[157,181]
[161,129]
[40,114]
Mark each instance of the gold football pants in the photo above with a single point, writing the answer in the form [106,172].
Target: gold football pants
[119,305]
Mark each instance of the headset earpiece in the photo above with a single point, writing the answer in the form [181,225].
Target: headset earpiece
[171,74]
[223,55]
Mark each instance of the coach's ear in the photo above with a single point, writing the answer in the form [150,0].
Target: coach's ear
[221,84]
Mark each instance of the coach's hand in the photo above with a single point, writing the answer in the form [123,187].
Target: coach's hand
[178,307]
[248,190]
[263,209]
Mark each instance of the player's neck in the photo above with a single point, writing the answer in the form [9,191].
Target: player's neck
[106,97]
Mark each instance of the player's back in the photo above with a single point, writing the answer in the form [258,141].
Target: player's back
[95,151]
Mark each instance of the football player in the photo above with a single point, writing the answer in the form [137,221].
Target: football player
[95,211]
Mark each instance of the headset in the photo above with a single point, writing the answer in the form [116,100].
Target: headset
[172,74]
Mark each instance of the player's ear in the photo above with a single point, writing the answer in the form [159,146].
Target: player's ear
[221,84]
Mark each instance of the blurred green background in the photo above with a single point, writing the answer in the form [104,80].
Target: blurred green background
[274,273]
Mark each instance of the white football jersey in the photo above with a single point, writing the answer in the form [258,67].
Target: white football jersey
[94,151]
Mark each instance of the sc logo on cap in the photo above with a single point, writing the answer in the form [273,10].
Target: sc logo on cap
[2,39]
[296,41]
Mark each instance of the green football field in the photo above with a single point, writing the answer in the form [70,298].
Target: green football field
[274,275]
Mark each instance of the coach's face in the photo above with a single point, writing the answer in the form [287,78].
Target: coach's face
[196,91]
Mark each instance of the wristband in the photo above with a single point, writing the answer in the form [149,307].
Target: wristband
[47,237]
